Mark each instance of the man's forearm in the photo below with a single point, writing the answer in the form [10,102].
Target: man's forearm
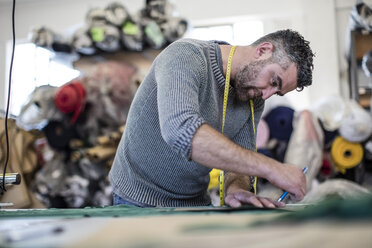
[214,150]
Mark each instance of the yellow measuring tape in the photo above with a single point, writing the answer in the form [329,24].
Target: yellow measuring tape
[225,98]
[255,145]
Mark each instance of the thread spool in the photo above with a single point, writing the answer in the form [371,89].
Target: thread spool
[345,154]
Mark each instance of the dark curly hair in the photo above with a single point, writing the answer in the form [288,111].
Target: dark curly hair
[290,46]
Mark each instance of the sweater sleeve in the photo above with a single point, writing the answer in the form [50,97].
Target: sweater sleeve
[179,71]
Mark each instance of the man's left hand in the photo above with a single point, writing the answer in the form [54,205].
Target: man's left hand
[242,197]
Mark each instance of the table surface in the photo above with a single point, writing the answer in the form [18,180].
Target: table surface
[335,224]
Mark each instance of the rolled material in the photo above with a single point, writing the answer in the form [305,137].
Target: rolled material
[39,109]
[42,36]
[82,42]
[99,154]
[132,36]
[279,121]
[329,136]
[367,63]
[153,35]
[265,152]
[345,154]
[59,135]
[174,28]
[331,111]
[305,147]
[360,17]
[70,98]
[263,134]
[116,14]
[356,126]
[105,37]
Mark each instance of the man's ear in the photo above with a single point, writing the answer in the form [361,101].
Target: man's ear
[264,49]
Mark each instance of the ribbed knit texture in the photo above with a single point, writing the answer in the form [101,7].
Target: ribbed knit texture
[183,89]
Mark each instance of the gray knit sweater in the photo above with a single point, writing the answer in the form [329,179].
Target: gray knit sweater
[183,90]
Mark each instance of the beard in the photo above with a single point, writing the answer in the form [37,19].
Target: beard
[246,80]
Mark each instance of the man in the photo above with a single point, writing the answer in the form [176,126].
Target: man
[173,133]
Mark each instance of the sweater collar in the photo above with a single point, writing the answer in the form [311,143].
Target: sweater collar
[216,61]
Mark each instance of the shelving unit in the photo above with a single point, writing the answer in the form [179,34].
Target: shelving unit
[140,60]
[360,84]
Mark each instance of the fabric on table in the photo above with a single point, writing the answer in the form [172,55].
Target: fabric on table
[333,207]
[342,188]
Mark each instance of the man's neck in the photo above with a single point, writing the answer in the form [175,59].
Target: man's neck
[242,55]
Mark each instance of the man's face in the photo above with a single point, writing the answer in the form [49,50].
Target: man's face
[263,78]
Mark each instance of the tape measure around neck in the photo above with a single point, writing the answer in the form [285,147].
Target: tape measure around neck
[225,98]
[227,85]
[254,179]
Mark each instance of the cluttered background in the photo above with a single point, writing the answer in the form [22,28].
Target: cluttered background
[64,138]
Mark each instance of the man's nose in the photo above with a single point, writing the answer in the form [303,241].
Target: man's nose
[268,93]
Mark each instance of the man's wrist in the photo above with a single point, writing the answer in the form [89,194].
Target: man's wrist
[235,181]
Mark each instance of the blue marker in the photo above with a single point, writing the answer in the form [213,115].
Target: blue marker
[284,195]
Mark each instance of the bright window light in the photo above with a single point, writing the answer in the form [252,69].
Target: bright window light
[236,33]
[245,33]
[223,32]
[35,66]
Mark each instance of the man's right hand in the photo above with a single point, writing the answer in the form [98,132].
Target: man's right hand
[289,178]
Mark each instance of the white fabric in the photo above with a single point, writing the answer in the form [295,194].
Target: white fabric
[335,187]
[357,124]
[305,148]
[331,110]
[39,109]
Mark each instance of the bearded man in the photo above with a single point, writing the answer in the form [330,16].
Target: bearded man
[173,136]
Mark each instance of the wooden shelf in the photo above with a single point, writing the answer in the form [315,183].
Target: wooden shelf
[363,44]
[365,100]
[360,44]
[142,61]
